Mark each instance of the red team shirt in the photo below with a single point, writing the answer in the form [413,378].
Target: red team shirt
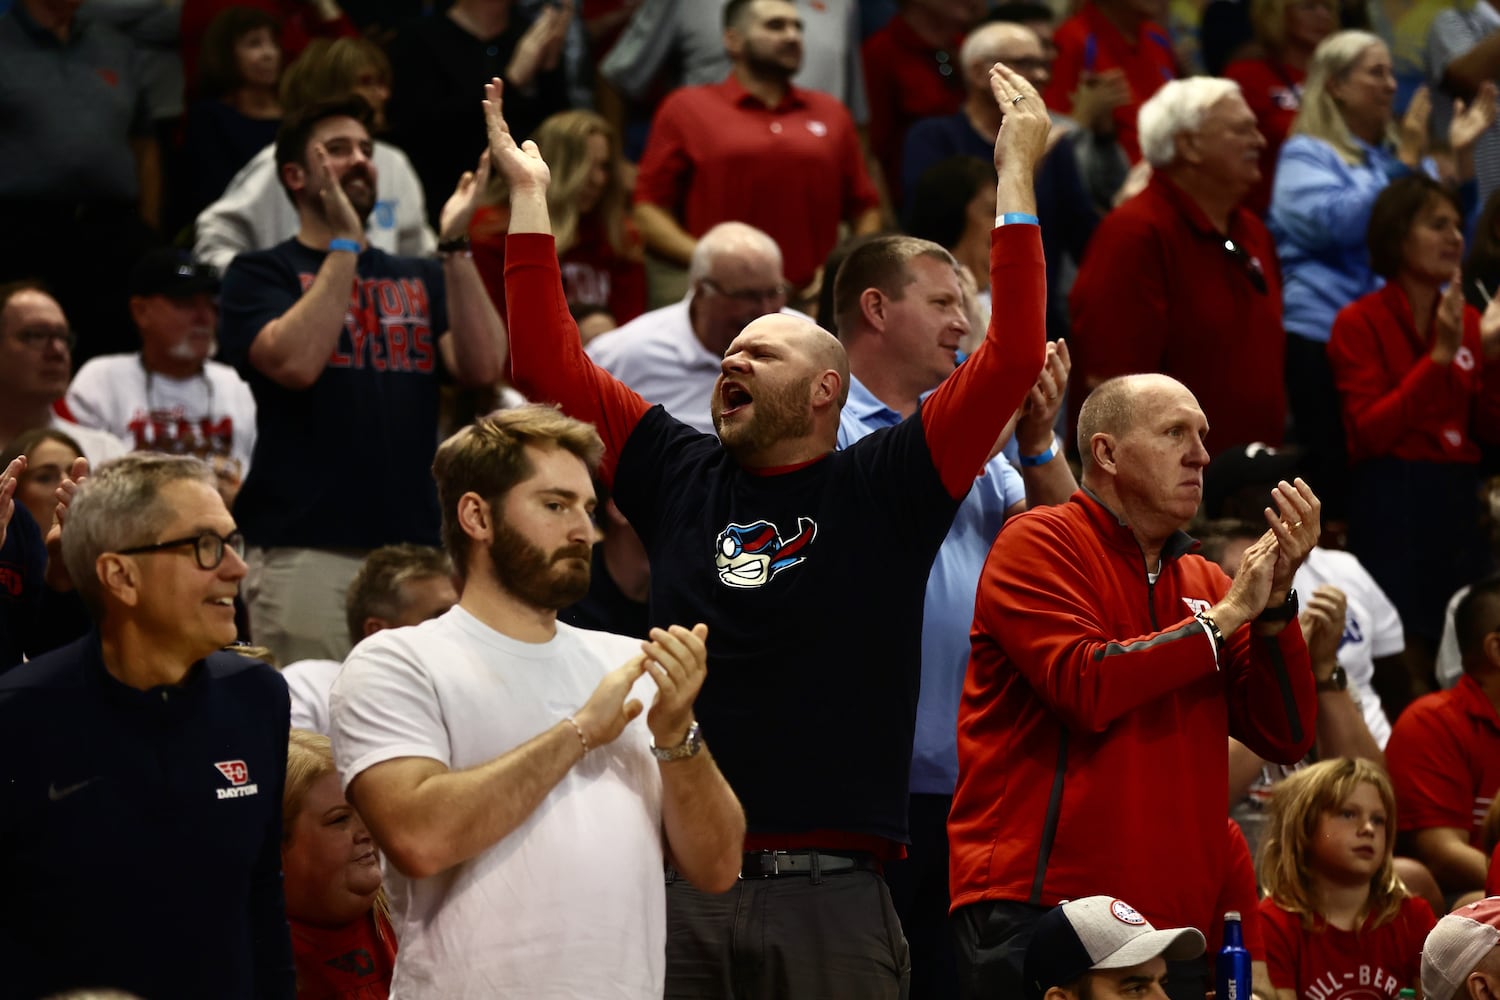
[1444,760]
[1089,43]
[1333,964]
[717,154]
[354,962]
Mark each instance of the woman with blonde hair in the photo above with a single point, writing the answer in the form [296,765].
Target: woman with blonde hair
[1344,149]
[1335,911]
[604,274]
[342,940]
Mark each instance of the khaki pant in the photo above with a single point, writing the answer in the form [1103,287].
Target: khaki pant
[296,601]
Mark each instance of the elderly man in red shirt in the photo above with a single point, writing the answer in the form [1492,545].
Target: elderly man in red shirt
[1182,279]
[755,149]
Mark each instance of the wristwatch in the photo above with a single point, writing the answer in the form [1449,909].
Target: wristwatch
[1285,613]
[1214,635]
[1337,681]
[689,747]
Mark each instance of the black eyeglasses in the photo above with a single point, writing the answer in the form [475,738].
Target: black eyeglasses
[1247,263]
[749,296]
[37,337]
[208,548]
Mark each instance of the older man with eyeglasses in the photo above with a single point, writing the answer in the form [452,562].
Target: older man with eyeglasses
[36,361]
[140,768]
[1182,279]
[672,355]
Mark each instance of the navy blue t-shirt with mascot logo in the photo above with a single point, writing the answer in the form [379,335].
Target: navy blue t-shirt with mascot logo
[345,463]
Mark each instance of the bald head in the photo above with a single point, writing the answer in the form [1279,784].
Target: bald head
[820,350]
[998,41]
[1117,404]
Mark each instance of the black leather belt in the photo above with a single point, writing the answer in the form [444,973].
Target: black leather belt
[772,864]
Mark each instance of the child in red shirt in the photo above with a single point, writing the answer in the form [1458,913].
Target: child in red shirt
[1337,921]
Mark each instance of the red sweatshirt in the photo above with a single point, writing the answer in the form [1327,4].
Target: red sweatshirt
[1093,725]
[1397,402]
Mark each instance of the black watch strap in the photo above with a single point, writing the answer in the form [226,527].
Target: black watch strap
[1337,681]
[1285,613]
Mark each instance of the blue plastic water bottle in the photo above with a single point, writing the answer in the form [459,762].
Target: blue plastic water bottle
[1233,979]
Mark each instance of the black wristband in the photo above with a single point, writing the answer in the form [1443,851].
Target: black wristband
[458,244]
[1285,613]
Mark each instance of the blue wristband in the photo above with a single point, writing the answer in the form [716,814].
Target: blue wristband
[1032,461]
[1018,218]
[350,245]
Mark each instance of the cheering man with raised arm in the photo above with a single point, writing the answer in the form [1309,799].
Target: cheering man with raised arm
[761,533]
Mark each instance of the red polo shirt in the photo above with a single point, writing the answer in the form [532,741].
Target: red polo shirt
[1157,292]
[1089,43]
[717,154]
[906,80]
[1444,760]
[1274,93]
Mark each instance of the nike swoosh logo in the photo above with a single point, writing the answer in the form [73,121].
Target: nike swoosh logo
[55,794]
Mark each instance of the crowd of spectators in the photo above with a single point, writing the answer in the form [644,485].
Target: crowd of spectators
[1020,455]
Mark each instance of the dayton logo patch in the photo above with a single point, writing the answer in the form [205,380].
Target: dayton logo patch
[1196,605]
[750,555]
[238,776]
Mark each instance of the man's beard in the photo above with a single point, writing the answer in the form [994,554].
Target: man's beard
[362,203]
[189,349]
[779,413]
[535,577]
[765,65]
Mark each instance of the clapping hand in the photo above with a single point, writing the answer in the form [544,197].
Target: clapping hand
[541,46]
[1297,525]
[57,572]
[678,659]
[10,481]
[1471,121]
[459,208]
[1322,623]
[1448,331]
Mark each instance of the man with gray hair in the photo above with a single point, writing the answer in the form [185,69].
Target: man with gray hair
[1182,279]
[672,355]
[141,764]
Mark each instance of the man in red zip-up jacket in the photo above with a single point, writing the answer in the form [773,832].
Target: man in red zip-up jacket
[1109,664]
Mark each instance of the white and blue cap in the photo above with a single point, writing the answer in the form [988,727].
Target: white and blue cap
[1096,933]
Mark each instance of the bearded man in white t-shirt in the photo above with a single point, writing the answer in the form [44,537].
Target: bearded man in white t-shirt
[524,810]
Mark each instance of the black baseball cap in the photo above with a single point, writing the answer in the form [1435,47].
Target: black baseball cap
[171,272]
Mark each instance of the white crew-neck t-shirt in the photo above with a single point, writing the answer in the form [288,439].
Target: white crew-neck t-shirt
[571,904]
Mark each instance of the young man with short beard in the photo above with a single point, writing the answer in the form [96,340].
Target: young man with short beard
[492,751]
